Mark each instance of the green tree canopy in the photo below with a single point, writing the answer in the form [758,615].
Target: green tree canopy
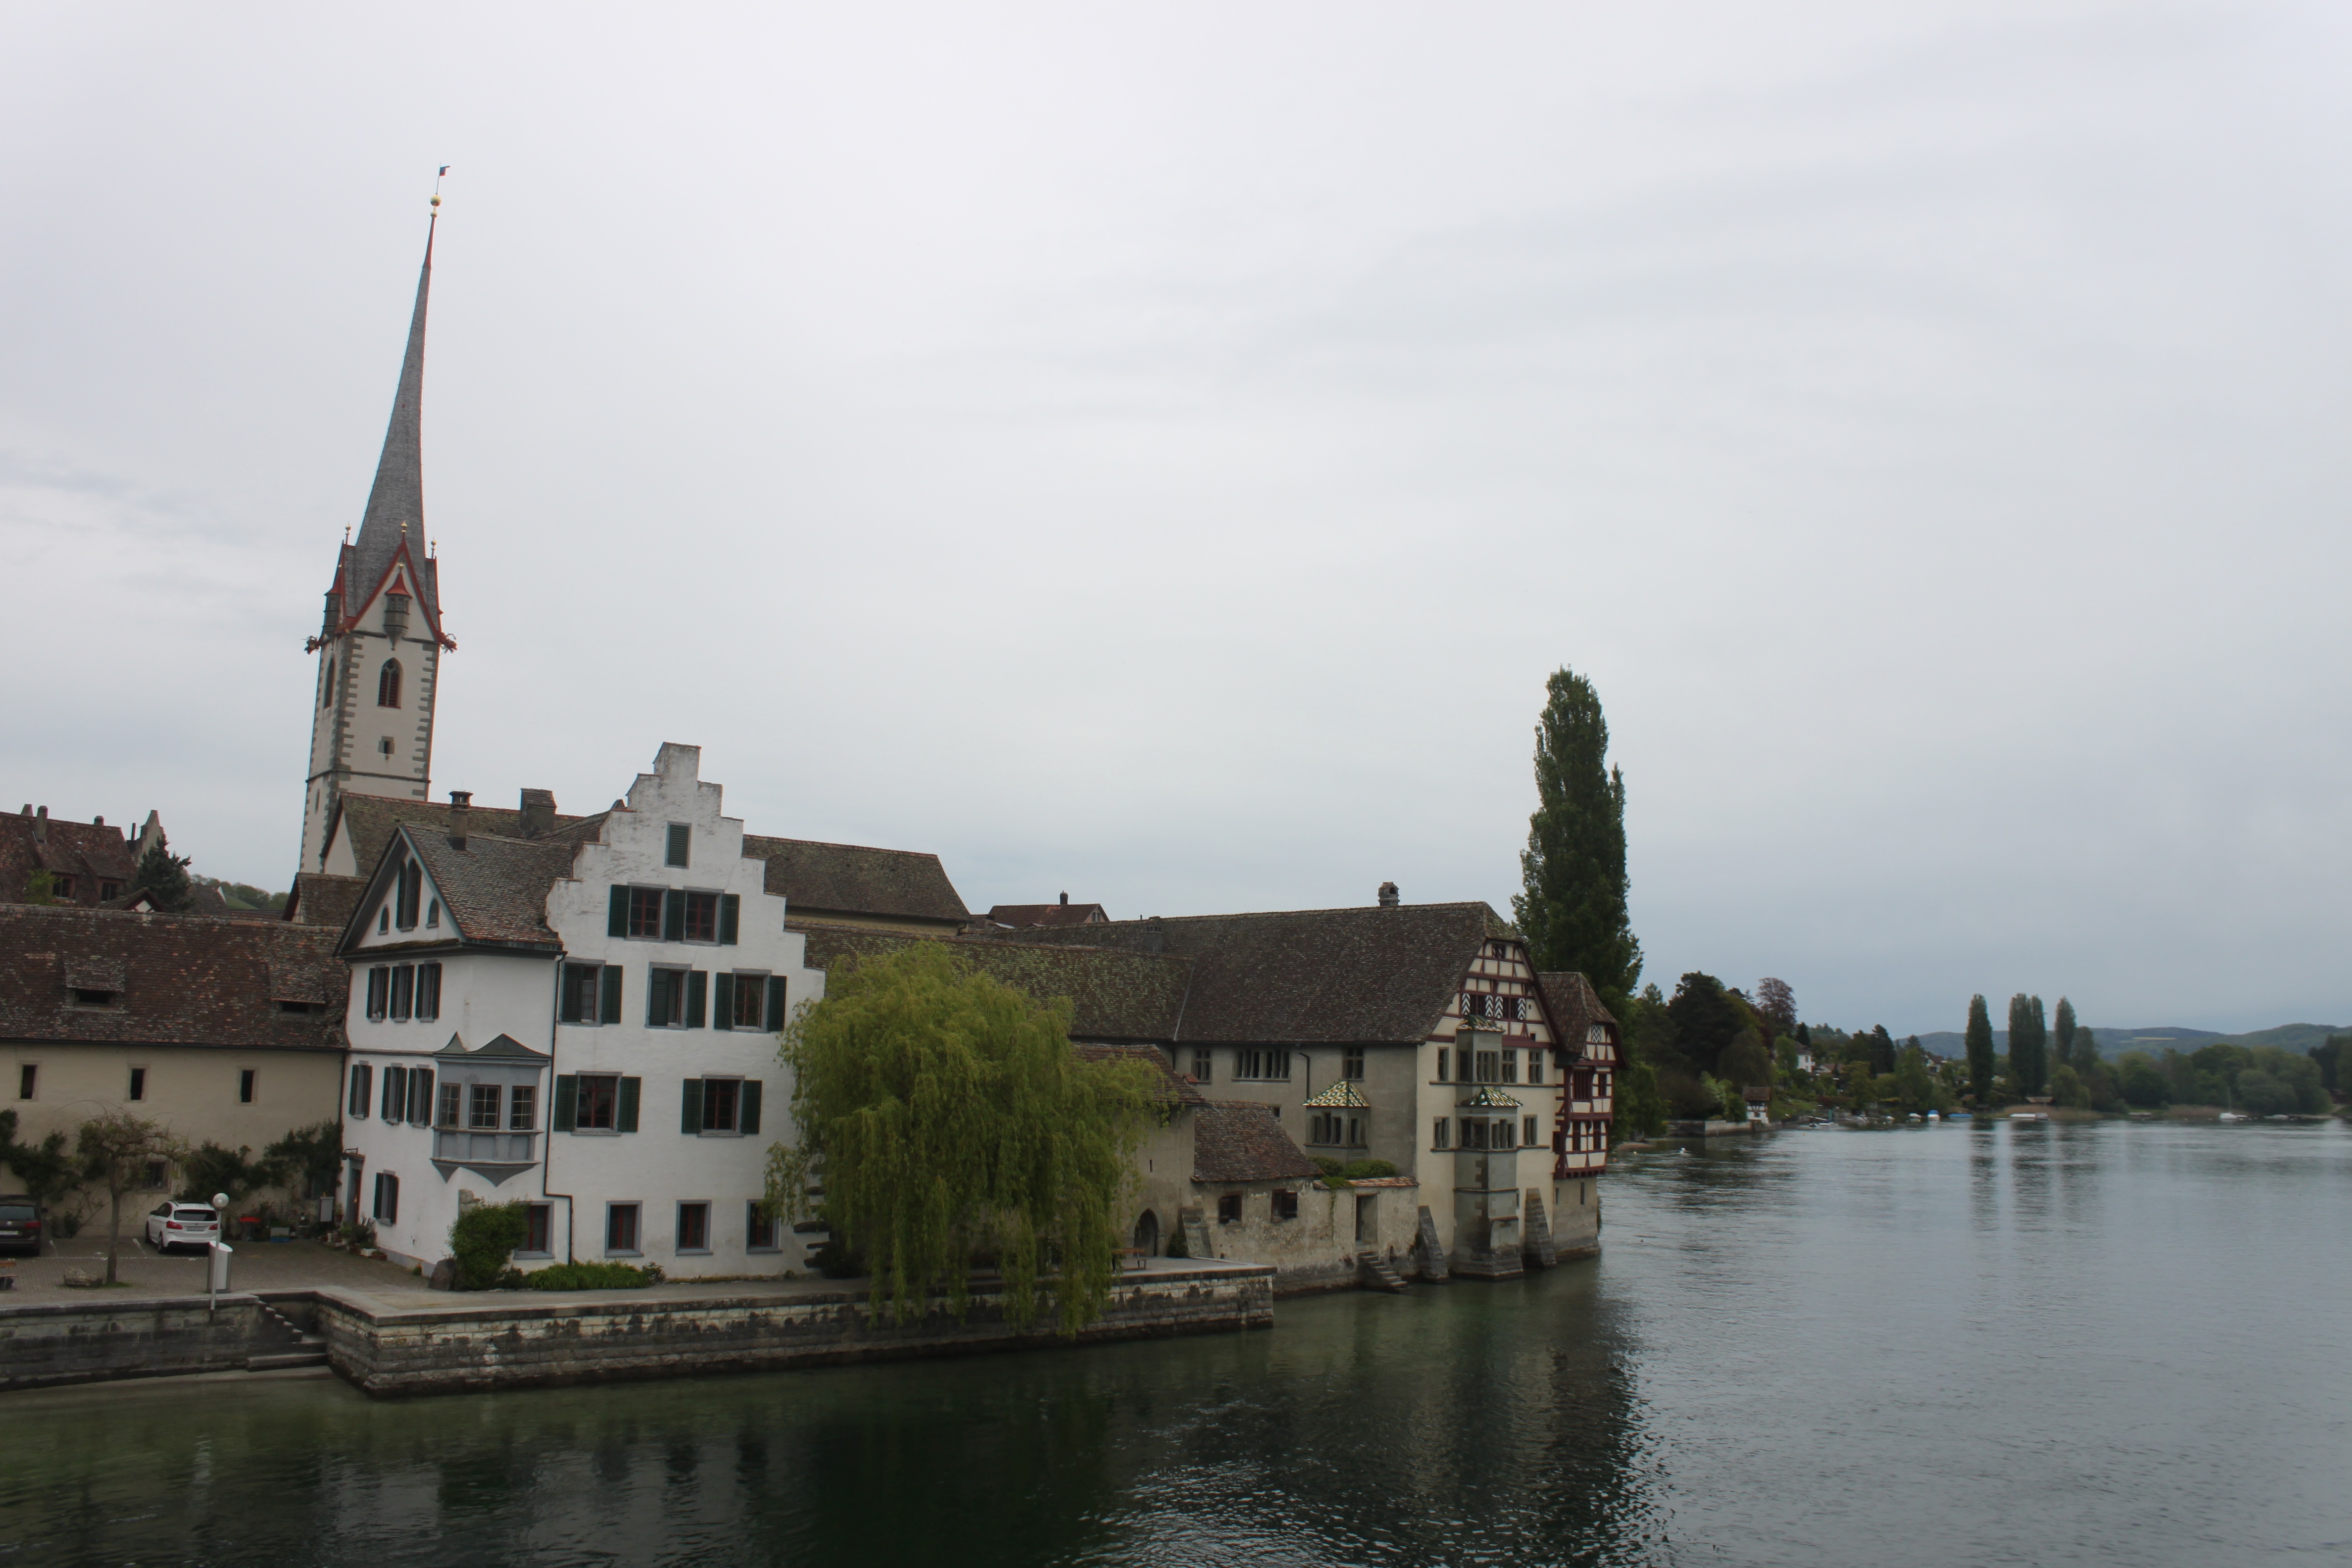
[116,1150]
[164,875]
[945,1114]
[1980,1051]
[1705,1019]
[2063,1032]
[2028,1045]
[48,1172]
[1573,909]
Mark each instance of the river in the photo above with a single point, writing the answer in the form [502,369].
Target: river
[2101,1344]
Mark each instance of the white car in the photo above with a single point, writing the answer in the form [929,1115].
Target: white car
[182,1224]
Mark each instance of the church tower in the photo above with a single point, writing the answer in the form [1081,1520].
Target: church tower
[380,644]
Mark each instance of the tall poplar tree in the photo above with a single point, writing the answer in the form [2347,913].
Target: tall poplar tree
[2065,1031]
[1573,911]
[1979,1038]
[2028,1046]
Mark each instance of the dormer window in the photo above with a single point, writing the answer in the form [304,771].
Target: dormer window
[90,996]
[387,684]
[109,890]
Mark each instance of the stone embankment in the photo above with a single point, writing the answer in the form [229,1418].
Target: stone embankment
[415,1342]
[45,1345]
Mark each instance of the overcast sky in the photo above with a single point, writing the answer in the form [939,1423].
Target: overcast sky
[1158,452]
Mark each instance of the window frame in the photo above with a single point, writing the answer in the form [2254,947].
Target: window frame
[701,1208]
[28,1080]
[404,992]
[733,1097]
[137,1089]
[1204,1064]
[378,993]
[1351,1063]
[677,845]
[611,1105]
[539,1231]
[758,1222]
[387,684]
[1253,1064]
[522,1107]
[450,1106]
[357,1092]
[1441,1133]
[248,1086]
[1283,1204]
[634,1211]
[481,1095]
[428,992]
[1229,1208]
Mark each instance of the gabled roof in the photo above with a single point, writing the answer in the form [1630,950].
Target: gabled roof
[1362,975]
[818,879]
[319,900]
[1486,1097]
[1114,995]
[1341,1096]
[501,1048]
[1174,1088]
[370,819]
[1236,1141]
[88,851]
[493,892]
[179,980]
[1574,1007]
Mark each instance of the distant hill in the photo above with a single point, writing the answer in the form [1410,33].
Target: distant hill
[2112,1043]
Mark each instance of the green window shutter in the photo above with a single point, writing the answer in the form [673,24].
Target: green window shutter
[611,1008]
[674,915]
[567,1103]
[627,1119]
[698,994]
[617,918]
[689,1115]
[657,997]
[723,1001]
[775,1003]
[730,918]
[751,1105]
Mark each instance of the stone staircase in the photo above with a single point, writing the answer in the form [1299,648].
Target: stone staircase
[1538,1249]
[306,1350]
[1196,1234]
[1433,1256]
[1374,1272]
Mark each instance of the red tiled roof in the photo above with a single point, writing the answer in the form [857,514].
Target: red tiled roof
[1237,1141]
[818,879]
[86,851]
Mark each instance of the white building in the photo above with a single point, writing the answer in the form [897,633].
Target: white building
[585,1021]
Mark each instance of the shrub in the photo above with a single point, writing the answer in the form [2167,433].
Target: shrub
[1369,1170]
[481,1240]
[590,1276]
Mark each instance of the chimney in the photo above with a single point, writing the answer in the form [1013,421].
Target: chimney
[1388,895]
[461,807]
[41,827]
[1155,936]
[1065,900]
[537,813]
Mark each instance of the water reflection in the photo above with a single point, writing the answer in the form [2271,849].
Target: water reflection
[1949,1345]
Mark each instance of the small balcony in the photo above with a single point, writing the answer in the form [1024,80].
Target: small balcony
[496,1154]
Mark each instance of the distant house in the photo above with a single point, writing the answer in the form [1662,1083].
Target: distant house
[1759,1102]
[1021,917]
[88,863]
[226,1031]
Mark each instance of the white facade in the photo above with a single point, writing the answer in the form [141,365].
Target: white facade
[645,1030]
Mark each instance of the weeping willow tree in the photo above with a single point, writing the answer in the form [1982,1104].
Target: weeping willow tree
[945,1116]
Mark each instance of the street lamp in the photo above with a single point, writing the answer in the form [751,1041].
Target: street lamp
[217,1259]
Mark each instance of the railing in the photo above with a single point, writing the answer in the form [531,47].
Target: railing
[492,1148]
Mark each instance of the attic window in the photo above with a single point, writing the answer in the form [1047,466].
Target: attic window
[301,1006]
[109,890]
[61,887]
[90,996]
[681,838]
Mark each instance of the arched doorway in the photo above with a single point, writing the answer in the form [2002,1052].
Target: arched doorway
[1147,1235]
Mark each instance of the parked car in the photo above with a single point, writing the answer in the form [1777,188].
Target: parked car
[20,1224]
[182,1224]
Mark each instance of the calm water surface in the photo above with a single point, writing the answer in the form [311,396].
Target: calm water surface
[2099,1344]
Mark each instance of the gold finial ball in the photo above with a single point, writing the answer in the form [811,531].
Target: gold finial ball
[437,199]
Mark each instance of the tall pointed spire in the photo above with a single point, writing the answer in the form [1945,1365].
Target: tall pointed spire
[395,503]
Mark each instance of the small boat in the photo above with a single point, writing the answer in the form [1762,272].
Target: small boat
[1961,1115]
[1913,1117]
[1933,1117]
[2232,1116]
[2029,1116]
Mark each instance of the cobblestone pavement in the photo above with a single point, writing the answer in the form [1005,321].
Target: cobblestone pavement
[257,1266]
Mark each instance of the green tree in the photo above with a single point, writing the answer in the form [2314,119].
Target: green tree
[1640,1107]
[483,1239]
[1705,1019]
[164,876]
[116,1150]
[945,1114]
[309,1158]
[1573,910]
[1914,1086]
[2065,1032]
[1980,1051]
[1745,1063]
[47,1171]
[2028,1046]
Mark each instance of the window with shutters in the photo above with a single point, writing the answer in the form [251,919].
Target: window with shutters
[646,913]
[387,1198]
[694,1228]
[743,1001]
[420,1095]
[522,1107]
[378,993]
[362,1085]
[675,998]
[403,991]
[621,1229]
[722,1097]
[590,994]
[701,922]
[1286,1205]
[1229,1208]
[429,991]
[599,1094]
[482,1106]
[681,843]
[395,1095]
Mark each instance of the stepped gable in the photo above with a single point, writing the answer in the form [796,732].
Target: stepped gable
[1237,1141]
[1574,1007]
[1172,1087]
[370,820]
[1115,996]
[90,853]
[169,980]
[1351,976]
[818,879]
[319,899]
[493,891]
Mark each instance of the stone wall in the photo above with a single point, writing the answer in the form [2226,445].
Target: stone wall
[45,1344]
[510,1340]
[1576,1217]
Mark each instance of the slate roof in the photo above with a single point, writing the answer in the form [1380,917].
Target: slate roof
[370,819]
[1174,1087]
[322,900]
[1018,916]
[818,879]
[185,980]
[1361,975]
[86,851]
[1115,995]
[494,891]
[394,514]
[1574,1007]
[1341,1096]
[1236,1141]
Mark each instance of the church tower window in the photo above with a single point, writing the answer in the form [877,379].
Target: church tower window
[387,685]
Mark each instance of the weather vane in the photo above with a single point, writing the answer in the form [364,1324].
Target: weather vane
[436,190]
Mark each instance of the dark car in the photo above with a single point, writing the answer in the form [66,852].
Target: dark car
[20,1224]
